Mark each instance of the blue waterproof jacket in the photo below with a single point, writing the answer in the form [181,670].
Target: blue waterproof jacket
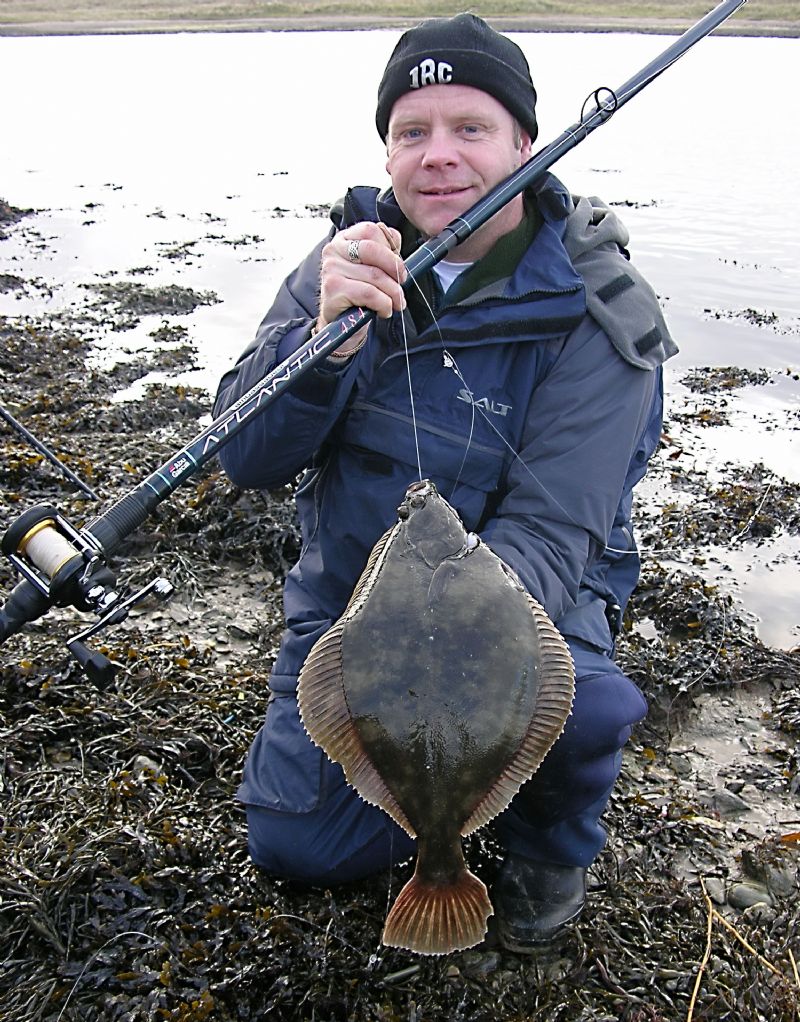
[537,403]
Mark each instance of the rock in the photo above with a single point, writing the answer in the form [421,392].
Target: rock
[180,615]
[781,880]
[715,889]
[144,764]
[760,913]
[477,964]
[743,895]
[773,867]
[728,804]
[680,763]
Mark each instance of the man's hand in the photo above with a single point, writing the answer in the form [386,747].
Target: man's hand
[361,268]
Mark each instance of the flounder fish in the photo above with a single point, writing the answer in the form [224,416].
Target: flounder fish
[439,691]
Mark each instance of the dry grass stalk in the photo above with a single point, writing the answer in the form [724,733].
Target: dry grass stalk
[706,953]
[712,915]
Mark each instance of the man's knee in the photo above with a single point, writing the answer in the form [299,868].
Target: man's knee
[607,705]
[584,762]
[287,844]
[344,839]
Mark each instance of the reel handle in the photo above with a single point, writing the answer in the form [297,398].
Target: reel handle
[99,669]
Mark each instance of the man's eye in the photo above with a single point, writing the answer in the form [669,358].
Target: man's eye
[470,129]
[413,133]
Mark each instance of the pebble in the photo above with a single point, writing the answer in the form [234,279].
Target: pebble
[743,895]
[778,874]
[144,763]
[760,913]
[715,889]
[728,804]
[680,764]
[477,964]
[781,880]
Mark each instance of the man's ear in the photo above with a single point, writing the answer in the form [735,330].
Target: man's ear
[525,146]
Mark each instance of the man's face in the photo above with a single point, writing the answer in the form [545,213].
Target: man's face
[447,146]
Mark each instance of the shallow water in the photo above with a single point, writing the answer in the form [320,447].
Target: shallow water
[133,145]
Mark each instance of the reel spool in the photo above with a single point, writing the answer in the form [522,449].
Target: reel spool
[67,568]
[47,551]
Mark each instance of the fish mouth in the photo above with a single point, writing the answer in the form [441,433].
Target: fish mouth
[416,496]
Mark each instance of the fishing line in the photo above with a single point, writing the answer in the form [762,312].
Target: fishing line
[755,514]
[91,959]
[449,362]
[385,230]
[411,397]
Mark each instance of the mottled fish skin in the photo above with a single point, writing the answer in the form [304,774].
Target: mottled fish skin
[439,691]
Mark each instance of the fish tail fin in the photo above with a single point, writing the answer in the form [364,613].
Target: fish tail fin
[436,918]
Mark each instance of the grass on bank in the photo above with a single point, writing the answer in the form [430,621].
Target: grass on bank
[32,12]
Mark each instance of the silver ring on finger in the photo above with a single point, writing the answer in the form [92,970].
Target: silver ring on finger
[352,251]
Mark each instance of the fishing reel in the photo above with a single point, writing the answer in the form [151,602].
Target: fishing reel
[62,567]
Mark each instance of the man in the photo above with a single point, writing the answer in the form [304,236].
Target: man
[534,358]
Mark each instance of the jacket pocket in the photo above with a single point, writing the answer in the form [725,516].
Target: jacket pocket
[284,769]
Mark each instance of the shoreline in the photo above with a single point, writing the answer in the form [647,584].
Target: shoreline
[355,22]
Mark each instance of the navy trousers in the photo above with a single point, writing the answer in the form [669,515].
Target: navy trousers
[317,828]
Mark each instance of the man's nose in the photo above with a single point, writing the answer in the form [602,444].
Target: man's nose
[440,149]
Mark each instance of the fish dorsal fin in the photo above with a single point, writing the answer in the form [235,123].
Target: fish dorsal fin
[553,706]
[323,702]
[370,572]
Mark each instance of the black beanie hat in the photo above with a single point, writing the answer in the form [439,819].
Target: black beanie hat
[462,50]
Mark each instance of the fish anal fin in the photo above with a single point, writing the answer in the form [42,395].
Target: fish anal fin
[435,919]
[329,724]
[553,706]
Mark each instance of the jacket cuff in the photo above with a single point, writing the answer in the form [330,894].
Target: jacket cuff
[315,386]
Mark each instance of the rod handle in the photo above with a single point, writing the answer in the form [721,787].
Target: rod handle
[110,529]
[25,603]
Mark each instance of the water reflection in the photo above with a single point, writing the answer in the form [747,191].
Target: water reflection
[150,142]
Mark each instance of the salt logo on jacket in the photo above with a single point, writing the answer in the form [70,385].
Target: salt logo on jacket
[430,72]
[489,405]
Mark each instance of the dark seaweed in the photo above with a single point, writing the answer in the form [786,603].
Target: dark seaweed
[126,892]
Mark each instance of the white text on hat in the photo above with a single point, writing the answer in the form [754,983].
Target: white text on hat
[429,72]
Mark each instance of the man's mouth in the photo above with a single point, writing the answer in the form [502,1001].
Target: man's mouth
[449,190]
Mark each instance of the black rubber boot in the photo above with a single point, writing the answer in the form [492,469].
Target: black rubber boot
[534,902]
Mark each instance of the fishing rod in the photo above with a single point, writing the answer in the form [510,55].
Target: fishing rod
[45,451]
[64,566]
